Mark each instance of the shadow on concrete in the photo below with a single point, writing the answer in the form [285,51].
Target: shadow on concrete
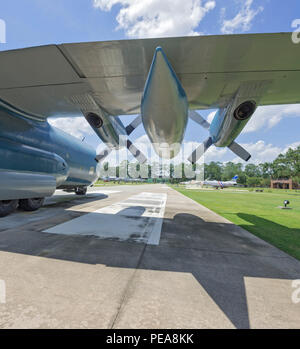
[219,256]
[55,206]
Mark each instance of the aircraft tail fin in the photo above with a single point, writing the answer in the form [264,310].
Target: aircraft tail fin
[235,178]
[239,151]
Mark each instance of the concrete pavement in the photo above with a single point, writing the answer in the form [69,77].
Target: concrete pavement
[67,267]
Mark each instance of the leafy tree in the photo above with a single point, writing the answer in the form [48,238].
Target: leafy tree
[292,161]
[252,170]
[230,170]
[265,169]
[253,181]
[280,168]
[213,170]
[265,182]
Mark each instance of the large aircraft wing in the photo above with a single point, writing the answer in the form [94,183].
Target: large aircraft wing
[64,80]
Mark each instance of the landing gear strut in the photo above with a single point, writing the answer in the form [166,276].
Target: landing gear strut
[81,190]
[31,204]
[7,207]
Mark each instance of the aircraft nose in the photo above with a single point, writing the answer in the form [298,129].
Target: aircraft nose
[160,58]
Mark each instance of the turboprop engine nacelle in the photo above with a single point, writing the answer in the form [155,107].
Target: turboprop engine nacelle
[229,122]
[108,128]
[113,133]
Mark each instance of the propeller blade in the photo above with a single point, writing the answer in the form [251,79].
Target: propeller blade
[104,153]
[135,123]
[239,151]
[196,155]
[136,153]
[199,119]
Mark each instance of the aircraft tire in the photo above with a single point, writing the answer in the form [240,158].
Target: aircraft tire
[31,204]
[80,191]
[7,207]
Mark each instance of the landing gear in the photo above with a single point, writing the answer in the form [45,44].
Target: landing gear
[7,207]
[31,204]
[81,191]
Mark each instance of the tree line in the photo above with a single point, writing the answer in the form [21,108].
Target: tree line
[285,166]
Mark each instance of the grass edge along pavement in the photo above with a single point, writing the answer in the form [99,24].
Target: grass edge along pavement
[258,213]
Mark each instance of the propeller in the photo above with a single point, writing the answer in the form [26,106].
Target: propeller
[104,153]
[239,151]
[141,158]
[135,123]
[128,144]
[196,155]
[199,119]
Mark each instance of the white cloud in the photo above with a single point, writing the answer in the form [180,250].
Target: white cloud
[243,19]
[216,154]
[270,116]
[260,152]
[76,126]
[158,18]
[293,146]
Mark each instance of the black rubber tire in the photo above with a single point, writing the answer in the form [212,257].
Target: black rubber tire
[7,207]
[31,204]
[80,191]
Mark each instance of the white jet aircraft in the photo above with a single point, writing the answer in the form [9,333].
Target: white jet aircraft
[222,185]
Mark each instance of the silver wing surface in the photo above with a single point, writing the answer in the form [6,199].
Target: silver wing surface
[68,79]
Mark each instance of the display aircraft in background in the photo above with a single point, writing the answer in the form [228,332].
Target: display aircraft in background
[222,184]
[123,179]
[162,80]
[214,183]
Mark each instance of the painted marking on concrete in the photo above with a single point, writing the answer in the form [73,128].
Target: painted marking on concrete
[19,218]
[137,219]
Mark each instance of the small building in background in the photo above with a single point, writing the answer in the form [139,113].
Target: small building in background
[284,184]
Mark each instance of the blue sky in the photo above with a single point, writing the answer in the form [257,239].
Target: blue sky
[39,22]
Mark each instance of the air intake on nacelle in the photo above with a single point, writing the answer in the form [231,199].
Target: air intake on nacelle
[245,110]
[94,120]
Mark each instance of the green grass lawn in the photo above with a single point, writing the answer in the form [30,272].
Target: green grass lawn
[257,213]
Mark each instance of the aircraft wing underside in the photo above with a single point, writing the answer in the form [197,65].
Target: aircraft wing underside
[64,80]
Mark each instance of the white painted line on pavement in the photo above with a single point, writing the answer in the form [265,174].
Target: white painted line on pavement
[137,219]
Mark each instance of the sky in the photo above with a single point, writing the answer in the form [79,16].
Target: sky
[272,129]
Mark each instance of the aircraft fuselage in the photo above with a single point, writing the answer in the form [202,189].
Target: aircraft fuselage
[37,158]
